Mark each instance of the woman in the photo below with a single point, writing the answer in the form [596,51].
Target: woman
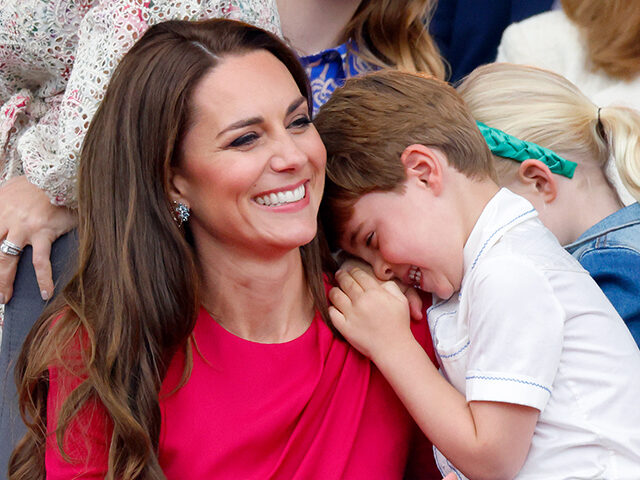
[196,314]
[105,31]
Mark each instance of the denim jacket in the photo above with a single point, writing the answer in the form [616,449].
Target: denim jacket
[610,252]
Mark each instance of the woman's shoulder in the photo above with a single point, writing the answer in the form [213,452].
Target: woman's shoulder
[542,40]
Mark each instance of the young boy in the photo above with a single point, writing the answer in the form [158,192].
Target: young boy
[543,372]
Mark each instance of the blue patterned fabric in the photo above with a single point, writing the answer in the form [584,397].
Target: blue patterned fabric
[329,69]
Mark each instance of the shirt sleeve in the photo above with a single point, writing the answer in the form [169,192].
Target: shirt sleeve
[516,330]
[51,148]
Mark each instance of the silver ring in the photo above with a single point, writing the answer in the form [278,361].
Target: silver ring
[9,248]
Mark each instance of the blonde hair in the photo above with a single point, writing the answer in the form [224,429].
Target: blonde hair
[540,106]
[611,30]
[394,33]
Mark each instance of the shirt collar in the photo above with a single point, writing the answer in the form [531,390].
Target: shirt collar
[624,217]
[504,211]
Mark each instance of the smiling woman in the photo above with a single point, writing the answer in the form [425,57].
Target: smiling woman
[253,139]
[190,342]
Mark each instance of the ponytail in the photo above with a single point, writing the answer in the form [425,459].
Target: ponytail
[621,130]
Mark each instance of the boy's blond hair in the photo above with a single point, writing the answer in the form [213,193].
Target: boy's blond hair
[368,123]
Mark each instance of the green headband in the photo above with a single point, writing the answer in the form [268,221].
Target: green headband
[504,145]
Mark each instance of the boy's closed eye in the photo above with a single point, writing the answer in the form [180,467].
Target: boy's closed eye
[369,239]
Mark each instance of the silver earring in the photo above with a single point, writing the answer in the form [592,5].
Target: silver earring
[181,213]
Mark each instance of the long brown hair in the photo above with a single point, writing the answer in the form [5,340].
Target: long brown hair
[611,30]
[134,299]
[393,33]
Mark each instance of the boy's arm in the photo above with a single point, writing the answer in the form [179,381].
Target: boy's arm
[483,439]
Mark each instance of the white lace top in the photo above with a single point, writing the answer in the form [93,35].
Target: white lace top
[56,58]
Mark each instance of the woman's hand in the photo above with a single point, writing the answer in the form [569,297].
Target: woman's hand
[414,299]
[372,316]
[27,217]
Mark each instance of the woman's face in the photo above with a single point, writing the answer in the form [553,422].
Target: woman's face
[252,168]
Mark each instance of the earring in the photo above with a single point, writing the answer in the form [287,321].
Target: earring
[181,213]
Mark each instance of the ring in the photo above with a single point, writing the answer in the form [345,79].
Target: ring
[9,248]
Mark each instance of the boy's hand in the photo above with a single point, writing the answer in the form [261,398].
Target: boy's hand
[373,317]
[415,301]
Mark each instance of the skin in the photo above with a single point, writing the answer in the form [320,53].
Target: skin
[252,136]
[566,206]
[33,220]
[315,25]
[29,218]
[483,439]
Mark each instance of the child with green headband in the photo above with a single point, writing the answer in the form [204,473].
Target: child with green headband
[584,209]
[542,372]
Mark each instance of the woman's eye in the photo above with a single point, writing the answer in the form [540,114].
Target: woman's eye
[300,122]
[243,140]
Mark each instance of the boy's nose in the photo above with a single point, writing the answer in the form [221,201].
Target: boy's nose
[382,270]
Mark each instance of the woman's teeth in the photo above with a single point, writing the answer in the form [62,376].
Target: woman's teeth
[281,198]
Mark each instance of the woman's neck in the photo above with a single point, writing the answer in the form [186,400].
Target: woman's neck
[265,301]
[315,25]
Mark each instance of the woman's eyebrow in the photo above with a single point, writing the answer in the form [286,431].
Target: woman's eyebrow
[254,120]
[295,104]
[242,123]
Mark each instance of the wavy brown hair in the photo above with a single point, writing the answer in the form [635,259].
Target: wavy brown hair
[134,298]
[393,33]
[611,30]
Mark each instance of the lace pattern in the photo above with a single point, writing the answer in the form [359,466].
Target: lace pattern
[56,58]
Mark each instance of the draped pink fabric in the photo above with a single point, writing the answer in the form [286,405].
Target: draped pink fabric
[309,408]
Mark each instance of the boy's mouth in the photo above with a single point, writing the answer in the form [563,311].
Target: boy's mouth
[415,276]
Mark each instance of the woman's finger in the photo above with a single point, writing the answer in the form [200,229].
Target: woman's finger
[8,266]
[42,266]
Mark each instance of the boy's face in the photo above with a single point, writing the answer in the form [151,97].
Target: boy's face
[408,236]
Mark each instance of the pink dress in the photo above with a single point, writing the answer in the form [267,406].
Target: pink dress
[309,408]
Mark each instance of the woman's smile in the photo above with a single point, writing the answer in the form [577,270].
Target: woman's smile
[253,168]
[285,197]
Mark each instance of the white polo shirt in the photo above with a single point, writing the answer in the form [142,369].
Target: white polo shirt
[530,326]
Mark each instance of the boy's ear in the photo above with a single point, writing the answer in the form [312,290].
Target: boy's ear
[424,164]
[537,175]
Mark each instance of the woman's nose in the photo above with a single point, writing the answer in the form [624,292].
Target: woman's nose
[287,154]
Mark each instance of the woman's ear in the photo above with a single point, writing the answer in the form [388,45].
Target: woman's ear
[538,177]
[177,186]
[424,164]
